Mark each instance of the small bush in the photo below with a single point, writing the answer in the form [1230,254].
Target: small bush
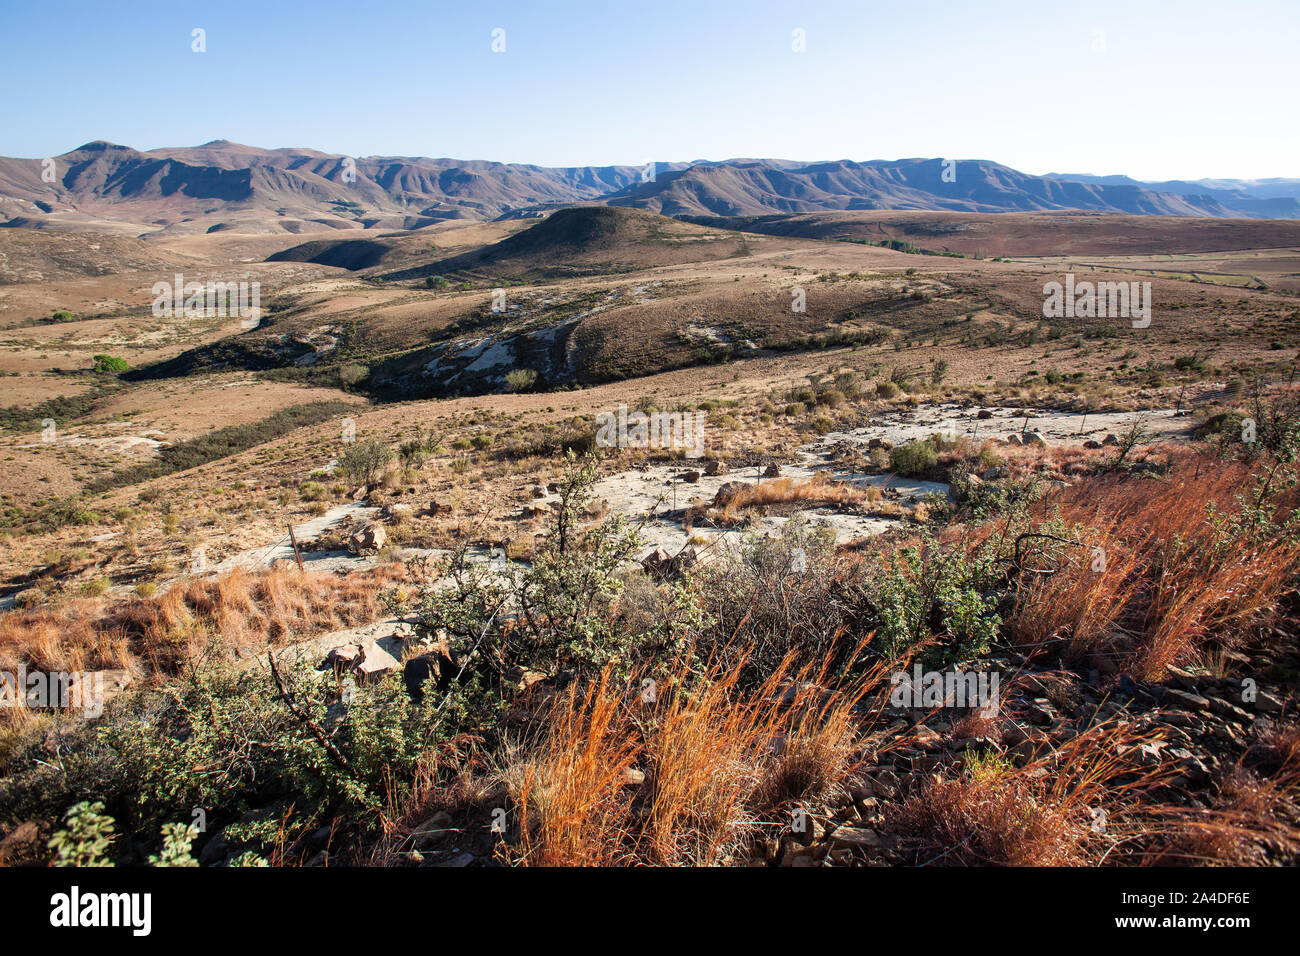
[109,364]
[520,379]
[312,491]
[365,462]
[913,458]
[353,375]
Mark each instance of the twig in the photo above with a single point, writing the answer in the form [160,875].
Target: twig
[335,754]
[470,656]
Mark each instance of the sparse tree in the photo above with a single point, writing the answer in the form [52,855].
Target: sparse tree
[352,375]
[520,379]
[365,462]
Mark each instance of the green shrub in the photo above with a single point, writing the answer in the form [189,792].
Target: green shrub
[520,379]
[352,375]
[86,838]
[914,458]
[563,603]
[313,491]
[927,590]
[177,841]
[109,364]
[225,739]
[365,462]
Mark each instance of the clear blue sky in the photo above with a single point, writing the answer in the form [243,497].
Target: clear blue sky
[1180,90]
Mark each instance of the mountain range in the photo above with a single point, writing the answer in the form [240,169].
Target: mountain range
[228,186]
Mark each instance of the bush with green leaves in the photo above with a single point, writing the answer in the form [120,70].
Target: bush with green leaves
[981,500]
[89,834]
[936,592]
[416,449]
[109,364]
[520,379]
[225,740]
[352,375]
[365,462]
[178,839]
[914,458]
[86,838]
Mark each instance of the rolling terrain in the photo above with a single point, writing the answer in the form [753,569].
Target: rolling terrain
[409,434]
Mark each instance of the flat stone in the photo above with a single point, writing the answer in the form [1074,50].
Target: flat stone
[1186,700]
[857,838]
[1267,702]
[1230,710]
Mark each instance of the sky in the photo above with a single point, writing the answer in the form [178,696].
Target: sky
[1154,90]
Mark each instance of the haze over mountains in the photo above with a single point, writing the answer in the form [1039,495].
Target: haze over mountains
[227,186]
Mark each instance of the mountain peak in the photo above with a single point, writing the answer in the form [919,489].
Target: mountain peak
[100,146]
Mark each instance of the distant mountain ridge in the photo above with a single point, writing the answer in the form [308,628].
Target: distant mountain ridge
[223,185]
[1275,198]
[229,186]
[758,188]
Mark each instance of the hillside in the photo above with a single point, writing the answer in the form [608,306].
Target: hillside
[1025,234]
[587,240]
[40,256]
[917,433]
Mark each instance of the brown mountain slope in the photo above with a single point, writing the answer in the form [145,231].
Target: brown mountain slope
[588,240]
[45,255]
[224,185]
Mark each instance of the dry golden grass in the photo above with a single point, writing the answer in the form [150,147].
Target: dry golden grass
[817,491]
[1069,807]
[239,609]
[1170,580]
[718,764]
[1247,813]
[1078,600]
[73,637]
